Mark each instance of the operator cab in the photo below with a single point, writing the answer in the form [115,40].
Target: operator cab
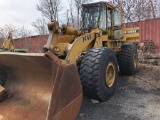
[104,16]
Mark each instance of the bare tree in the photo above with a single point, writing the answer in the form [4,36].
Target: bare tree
[40,26]
[17,31]
[23,32]
[155,8]
[136,10]
[4,30]
[71,8]
[70,14]
[157,11]
[50,8]
[152,8]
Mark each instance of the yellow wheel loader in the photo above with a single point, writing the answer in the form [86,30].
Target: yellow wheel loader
[48,86]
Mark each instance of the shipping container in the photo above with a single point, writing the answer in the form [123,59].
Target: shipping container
[149,30]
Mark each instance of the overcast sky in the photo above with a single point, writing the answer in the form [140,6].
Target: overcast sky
[20,12]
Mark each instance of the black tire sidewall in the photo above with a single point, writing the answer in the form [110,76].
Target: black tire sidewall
[105,90]
[92,71]
[136,52]
[126,60]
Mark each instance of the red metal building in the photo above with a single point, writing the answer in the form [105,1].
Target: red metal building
[33,43]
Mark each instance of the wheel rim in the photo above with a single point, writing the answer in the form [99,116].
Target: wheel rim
[135,60]
[110,74]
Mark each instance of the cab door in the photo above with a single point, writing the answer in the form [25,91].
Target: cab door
[117,17]
[117,23]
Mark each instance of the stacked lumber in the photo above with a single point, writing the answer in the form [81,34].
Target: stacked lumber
[152,58]
[141,56]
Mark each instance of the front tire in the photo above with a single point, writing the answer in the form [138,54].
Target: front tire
[98,73]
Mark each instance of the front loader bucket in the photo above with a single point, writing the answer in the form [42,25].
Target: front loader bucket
[38,87]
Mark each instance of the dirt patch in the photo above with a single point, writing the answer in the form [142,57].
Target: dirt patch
[150,74]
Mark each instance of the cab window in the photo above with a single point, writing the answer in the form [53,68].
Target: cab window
[102,22]
[117,17]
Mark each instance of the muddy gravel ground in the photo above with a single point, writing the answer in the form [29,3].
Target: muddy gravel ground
[136,98]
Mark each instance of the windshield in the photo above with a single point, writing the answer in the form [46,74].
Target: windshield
[90,17]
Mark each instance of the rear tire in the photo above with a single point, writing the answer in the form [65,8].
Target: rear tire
[98,73]
[128,60]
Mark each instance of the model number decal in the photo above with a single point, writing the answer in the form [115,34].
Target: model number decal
[86,37]
[131,31]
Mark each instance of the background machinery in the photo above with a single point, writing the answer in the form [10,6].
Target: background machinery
[48,86]
[8,45]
